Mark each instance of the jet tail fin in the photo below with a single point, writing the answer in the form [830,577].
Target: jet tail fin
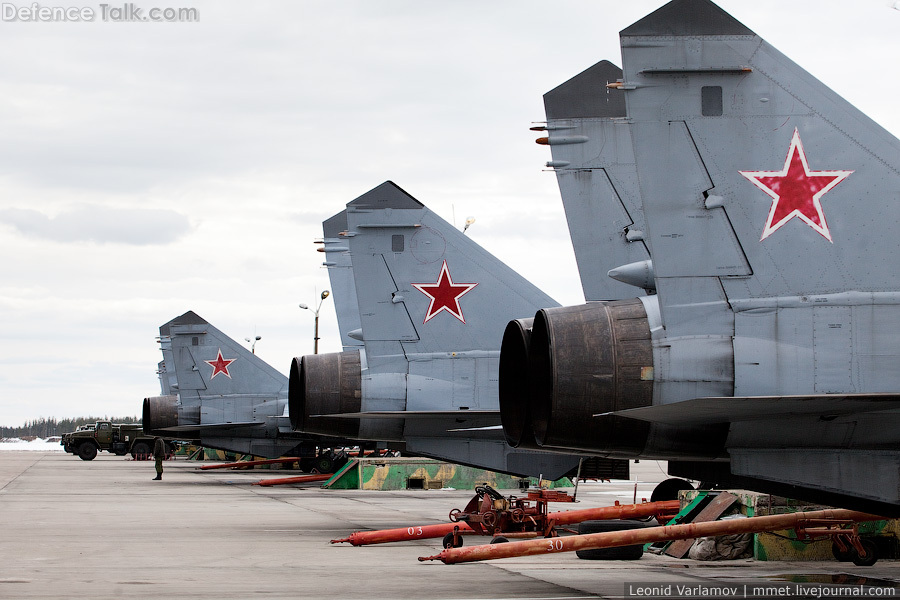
[217,381]
[590,140]
[758,181]
[423,286]
[340,273]
[206,362]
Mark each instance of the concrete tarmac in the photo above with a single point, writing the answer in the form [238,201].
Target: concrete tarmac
[103,529]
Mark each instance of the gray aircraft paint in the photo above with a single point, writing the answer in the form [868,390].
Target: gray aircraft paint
[428,368]
[758,308]
[340,274]
[219,392]
[590,141]
[795,312]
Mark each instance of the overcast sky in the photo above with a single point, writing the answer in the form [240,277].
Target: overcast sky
[148,169]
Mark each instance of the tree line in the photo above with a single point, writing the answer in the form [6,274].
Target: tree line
[44,428]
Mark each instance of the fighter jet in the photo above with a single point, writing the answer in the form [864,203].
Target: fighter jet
[765,359]
[432,308]
[222,395]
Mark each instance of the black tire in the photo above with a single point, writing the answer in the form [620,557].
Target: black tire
[140,449]
[447,542]
[632,552]
[841,555]
[120,451]
[87,451]
[871,556]
[499,540]
[325,464]
[668,490]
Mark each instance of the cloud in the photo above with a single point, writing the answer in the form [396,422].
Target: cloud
[103,225]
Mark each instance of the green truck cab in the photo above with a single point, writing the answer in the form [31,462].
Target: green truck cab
[119,439]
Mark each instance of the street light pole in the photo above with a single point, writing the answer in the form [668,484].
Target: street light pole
[322,297]
[254,340]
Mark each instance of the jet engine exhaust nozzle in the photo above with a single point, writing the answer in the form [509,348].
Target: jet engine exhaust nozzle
[159,412]
[515,408]
[325,384]
[585,360]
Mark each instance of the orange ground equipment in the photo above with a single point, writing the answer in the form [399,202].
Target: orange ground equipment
[489,513]
[630,537]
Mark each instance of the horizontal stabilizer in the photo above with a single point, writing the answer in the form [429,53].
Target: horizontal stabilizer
[477,429]
[702,411]
[412,414]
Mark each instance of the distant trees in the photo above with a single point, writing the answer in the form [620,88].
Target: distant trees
[44,428]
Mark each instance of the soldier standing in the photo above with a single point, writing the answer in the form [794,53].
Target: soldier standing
[159,453]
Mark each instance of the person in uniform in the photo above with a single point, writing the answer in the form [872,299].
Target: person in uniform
[159,454]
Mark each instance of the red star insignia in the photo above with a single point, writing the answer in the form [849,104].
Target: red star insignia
[796,191]
[444,295]
[220,365]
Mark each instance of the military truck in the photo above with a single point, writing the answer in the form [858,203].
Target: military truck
[119,439]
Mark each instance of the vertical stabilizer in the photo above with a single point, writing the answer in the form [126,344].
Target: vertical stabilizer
[590,140]
[227,397]
[340,273]
[425,287]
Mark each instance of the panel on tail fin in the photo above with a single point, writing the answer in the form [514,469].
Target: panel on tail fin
[340,273]
[166,380]
[590,140]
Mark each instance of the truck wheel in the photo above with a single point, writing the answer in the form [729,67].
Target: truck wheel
[325,464]
[87,451]
[840,555]
[140,449]
[871,556]
[668,490]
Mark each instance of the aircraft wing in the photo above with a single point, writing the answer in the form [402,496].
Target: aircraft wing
[706,411]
